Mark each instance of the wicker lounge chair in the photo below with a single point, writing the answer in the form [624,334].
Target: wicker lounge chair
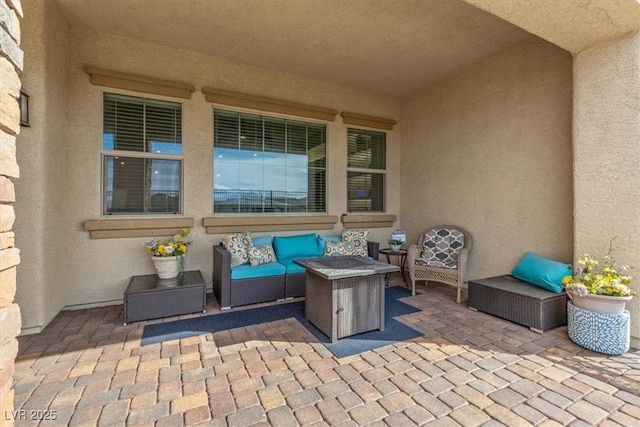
[441,256]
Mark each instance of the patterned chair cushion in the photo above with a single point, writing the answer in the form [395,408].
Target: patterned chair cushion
[441,248]
[262,254]
[355,242]
[436,263]
[238,245]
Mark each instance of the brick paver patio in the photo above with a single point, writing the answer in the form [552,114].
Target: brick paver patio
[468,369]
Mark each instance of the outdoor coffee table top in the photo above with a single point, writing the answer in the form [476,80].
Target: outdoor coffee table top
[341,267]
[151,282]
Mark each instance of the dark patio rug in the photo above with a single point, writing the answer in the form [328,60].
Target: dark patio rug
[394,331]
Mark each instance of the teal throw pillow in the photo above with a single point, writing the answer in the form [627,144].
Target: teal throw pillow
[542,272]
[304,245]
[261,240]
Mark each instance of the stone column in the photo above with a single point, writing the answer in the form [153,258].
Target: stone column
[606,140]
[11,58]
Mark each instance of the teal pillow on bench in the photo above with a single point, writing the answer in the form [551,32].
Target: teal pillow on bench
[542,272]
[295,246]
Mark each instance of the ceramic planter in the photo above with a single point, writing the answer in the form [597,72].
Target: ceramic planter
[167,267]
[600,303]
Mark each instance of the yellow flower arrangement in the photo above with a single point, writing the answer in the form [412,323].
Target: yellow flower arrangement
[178,245]
[610,280]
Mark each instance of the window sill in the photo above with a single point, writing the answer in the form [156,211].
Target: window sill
[367,220]
[118,228]
[239,224]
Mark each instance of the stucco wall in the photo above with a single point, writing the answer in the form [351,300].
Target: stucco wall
[607,152]
[42,287]
[489,149]
[97,271]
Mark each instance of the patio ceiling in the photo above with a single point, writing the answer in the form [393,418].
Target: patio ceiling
[394,47]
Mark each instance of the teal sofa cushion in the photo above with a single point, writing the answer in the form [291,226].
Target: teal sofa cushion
[304,245]
[542,272]
[246,271]
[292,267]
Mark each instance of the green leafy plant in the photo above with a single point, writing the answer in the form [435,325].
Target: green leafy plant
[178,245]
[395,242]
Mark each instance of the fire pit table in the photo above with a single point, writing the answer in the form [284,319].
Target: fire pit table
[345,295]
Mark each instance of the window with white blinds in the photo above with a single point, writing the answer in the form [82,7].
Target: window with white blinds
[366,168]
[141,155]
[265,164]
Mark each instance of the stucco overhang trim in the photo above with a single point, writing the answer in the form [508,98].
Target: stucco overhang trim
[112,228]
[244,100]
[368,221]
[137,83]
[367,121]
[239,224]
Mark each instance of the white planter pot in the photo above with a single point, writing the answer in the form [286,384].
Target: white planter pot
[600,303]
[395,247]
[166,266]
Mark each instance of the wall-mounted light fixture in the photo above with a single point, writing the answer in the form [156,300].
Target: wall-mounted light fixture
[23,100]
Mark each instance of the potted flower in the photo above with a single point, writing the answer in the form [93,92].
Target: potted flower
[599,286]
[395,244]
[168,257]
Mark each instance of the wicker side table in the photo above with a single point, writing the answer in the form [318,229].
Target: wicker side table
[148,297]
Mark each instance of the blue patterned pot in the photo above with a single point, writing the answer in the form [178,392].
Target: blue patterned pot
[602,332]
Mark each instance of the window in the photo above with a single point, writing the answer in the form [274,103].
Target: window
[141,155]
[366,164]
[267,164]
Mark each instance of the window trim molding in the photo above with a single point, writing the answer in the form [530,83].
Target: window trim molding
[351,220]
[240,224]
[367,121]
[237,99]
[148,227]
[136,83]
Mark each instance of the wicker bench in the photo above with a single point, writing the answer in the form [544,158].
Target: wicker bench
[519,302]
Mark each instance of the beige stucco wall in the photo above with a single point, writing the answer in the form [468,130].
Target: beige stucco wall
[40,227]
[489,149]
[97,271]
[607,152]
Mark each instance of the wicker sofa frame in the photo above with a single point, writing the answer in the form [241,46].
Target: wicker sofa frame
[233,293]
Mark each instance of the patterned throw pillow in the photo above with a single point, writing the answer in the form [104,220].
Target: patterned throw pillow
[356,242]
[238,245]
[441,248]
[336,249]
[262,254]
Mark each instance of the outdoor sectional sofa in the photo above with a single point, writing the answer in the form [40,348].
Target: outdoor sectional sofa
[278,280]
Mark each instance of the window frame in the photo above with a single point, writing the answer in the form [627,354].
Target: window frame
[372,171]
[139,154]
[274,115]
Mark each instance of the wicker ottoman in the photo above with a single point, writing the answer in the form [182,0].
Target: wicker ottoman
[519,302]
